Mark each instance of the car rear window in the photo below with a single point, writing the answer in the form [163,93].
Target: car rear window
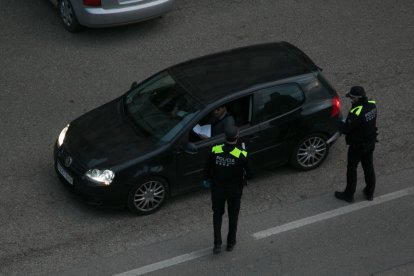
[326,85]
[316,92]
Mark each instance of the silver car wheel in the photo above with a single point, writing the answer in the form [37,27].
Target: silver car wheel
[149,196]
[66,12]
[311,152]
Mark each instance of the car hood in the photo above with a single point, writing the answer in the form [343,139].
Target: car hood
[105,137]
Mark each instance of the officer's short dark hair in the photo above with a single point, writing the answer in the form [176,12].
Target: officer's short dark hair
[232,133]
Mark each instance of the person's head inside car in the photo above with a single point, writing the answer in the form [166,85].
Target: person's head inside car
[220,112]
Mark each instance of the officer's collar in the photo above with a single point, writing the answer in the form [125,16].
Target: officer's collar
[231,143]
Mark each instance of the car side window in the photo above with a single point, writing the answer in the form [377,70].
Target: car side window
[237,112]
[280,99]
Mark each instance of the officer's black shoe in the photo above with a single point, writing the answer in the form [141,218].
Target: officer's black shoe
[216,249]
[343,196]
[230,246]
[367,196]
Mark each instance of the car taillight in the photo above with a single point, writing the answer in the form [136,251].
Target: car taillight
[93,3]
[336,107]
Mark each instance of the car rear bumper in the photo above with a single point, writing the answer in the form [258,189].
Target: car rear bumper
[333,138]
[100,17]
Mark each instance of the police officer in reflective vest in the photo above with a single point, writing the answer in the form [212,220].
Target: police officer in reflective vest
[227,170]
[361,135]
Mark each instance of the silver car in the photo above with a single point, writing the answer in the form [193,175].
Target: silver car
[105,13]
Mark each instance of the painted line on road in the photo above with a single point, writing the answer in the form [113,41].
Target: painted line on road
[272,231]
[167,263]
[330,214]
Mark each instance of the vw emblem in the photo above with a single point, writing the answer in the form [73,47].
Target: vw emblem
[68,161]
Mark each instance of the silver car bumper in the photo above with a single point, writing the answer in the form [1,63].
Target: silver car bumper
[99,17]
[333,138]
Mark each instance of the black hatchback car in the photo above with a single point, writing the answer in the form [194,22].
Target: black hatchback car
[141,148]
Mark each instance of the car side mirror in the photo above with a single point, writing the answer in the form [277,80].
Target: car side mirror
[190,148]
[134,84]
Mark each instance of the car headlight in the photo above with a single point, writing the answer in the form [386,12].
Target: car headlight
[62,136]
[102,177]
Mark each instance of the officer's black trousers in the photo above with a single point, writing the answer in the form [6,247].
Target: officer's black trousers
[363,154]
[219,197]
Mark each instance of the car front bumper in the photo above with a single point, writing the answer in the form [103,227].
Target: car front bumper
[73,175]
[99,17]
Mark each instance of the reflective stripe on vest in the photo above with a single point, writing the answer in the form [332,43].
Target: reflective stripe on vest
[357,110]
[217,149]
[235,152]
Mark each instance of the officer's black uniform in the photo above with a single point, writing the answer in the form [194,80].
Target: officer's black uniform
[361,135]
[226,169]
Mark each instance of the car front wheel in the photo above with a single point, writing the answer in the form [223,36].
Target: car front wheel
[68,16]
[310,152]
[147,196]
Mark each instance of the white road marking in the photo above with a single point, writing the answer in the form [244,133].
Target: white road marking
[166,263]
[272,231]
[330,214]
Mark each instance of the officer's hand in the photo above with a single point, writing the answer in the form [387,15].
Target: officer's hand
[342,126]
[206,184]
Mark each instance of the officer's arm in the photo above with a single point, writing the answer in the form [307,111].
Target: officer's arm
[342,126]
[351,122]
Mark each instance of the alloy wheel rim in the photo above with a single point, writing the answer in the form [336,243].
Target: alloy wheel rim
[66,12]
[149,196]
[311,152]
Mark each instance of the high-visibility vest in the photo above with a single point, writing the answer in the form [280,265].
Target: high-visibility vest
[357,109]
[235,152]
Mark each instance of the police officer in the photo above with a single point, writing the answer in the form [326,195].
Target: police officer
[361,135]
[227,170]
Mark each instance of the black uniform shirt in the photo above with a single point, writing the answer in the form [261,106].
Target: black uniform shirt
[360,126]
[229,168]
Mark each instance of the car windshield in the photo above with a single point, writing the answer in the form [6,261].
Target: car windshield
[160,107]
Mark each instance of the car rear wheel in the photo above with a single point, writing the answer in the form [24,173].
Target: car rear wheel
[147,196]
[310,152]
[68,16]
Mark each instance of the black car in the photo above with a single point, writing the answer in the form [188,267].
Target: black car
[141,148]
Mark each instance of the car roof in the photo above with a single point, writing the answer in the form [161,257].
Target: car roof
[215,76]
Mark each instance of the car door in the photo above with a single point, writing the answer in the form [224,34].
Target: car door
[190,166]
[279,112]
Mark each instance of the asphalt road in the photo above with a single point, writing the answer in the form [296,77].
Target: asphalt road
[48,77]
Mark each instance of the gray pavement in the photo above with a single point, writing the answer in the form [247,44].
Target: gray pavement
[369,240]
[49,77]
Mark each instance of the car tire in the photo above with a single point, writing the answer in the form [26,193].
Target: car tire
[147,196]
[68,16]
[310,152]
